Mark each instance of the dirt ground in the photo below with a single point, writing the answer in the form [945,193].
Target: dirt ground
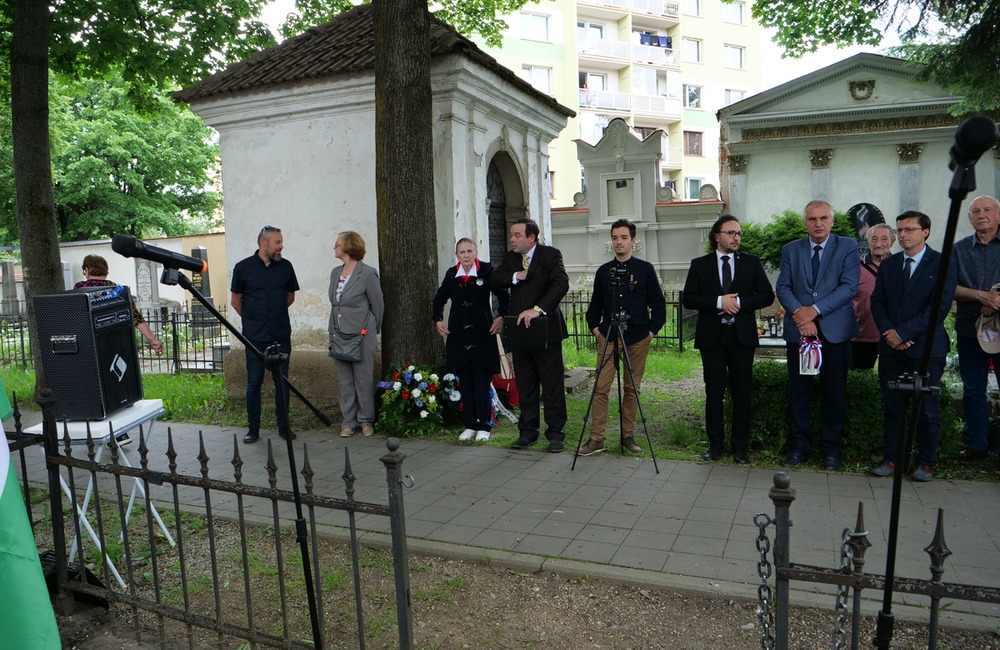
[458,605]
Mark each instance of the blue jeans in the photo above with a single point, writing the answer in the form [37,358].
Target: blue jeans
[973,365]
[255,379]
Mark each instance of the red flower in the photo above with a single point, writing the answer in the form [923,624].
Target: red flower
[405,394]
[395,376]
[432,388]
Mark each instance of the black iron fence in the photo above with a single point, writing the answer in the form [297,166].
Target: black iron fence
[139,545]
[193,341]
[678,328]
[849,578]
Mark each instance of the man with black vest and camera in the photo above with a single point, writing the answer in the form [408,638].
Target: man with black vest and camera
[627,298]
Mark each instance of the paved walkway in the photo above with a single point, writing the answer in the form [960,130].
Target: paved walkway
[690,527]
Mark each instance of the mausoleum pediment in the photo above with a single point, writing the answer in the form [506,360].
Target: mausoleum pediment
[859,86]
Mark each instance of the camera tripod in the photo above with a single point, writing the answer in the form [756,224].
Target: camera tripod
[616,333]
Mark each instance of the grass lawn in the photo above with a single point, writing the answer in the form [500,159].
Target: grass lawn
[672,402]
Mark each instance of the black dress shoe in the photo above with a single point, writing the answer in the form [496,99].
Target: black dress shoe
[831,463]
[523,443]
[711,456]
[555,446]
[253,435]
[795,459]
[972,454]
[284,429]
[741,459]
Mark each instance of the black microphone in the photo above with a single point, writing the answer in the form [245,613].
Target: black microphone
[973,137]
[129,246]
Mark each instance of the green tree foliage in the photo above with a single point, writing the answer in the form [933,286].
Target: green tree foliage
[118,169]
[957,42]
[483,16]
[154,44]
[765,240]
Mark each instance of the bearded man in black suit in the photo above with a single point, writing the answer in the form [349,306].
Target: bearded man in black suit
[727,288]
[537,280]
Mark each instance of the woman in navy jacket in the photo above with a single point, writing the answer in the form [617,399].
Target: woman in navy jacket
[471,345]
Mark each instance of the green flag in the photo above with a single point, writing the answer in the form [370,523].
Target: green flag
[26,616]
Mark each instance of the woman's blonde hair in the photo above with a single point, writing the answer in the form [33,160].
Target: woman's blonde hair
[352,243]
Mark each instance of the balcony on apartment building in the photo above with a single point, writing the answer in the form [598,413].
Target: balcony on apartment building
[672,159]
[612,54]
[613,9]
[655,13]
[609,54]
[605,100]
[657,106]
[658,54]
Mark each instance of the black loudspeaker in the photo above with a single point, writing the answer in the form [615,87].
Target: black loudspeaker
[86,339]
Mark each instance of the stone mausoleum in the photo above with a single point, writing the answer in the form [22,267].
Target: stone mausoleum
[296,125]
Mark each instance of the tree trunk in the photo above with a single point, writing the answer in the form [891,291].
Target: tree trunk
[404,180]
[29,81]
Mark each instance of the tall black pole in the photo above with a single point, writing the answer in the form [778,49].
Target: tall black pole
[273,359]
[973,137]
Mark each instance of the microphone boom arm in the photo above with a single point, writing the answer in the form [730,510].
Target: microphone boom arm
[173,276]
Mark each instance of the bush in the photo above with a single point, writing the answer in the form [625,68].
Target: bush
[765,240]
[863,424]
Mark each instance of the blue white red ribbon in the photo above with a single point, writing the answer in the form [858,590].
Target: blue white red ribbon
[811,349]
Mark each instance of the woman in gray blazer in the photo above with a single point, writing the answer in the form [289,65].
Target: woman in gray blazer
[357,306]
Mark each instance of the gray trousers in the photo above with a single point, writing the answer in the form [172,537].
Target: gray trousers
[357,385]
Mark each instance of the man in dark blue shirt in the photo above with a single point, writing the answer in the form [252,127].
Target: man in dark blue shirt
[626,290]
[978,257]
[263,289]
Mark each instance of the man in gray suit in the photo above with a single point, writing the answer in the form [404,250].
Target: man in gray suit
[817,280]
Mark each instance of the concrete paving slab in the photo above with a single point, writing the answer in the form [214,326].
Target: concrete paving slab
[688,527]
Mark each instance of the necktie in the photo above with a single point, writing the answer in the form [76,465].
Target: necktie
[907,269]
[815,261]
[727,275]
[524,262]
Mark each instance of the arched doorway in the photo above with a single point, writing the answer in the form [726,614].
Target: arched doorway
[503,189]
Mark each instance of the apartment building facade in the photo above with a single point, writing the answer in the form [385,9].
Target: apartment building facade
[660,65]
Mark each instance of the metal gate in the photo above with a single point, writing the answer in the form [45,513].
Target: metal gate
[849,578]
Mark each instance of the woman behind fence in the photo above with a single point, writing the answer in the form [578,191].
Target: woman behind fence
[95,270]
[471,347]
[355,321]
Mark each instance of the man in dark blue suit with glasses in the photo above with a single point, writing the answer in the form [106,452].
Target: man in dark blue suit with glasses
[818,279]
[901,307]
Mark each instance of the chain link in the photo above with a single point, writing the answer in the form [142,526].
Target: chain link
[846,562]
[765,613]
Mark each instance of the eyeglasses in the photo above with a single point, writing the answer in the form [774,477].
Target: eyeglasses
[267,229]
[732,233]
[907,231]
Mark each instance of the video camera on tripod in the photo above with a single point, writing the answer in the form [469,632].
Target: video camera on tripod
[619,278]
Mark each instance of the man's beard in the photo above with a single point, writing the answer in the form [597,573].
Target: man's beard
[274,257]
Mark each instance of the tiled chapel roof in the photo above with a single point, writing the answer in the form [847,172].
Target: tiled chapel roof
[343,45]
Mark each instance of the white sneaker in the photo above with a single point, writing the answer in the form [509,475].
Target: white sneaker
[466,435]
[482,435]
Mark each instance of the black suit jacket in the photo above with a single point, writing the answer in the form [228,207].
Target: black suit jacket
[703,288]
[470,319]
[546,285]
[909,313]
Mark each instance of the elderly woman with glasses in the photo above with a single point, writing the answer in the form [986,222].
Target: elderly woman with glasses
[357,307]
[864,347]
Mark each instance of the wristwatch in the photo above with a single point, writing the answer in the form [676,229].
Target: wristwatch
[539,310]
